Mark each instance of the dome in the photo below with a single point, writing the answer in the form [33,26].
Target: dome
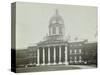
[56,19]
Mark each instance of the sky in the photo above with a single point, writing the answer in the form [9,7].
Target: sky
[32,21]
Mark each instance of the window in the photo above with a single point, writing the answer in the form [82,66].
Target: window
[75,51]
[80,51]
[54,30]
[80,60]
[75,59]
[60,30]
[57,30]
[80,44]
[70,51]
[50,31]
[70,58]
[71,61]
[80,57]
[70,45]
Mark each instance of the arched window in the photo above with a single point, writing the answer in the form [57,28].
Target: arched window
[57,30]
[54,30]
[60,30]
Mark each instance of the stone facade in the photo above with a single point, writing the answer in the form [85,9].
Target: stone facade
[55,50]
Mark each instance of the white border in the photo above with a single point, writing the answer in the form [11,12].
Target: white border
[5,36]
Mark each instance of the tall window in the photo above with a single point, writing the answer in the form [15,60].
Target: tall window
[60,30]
[70,51]
[75,59]
[50,31]
[57,30]
[70,59]
[80,51]
[75,51]
[80,59]
[54,30]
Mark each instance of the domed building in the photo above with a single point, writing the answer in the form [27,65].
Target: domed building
[56,27]
[54,49]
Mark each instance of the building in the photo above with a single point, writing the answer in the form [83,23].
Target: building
[54,50]
[76,52]
[90,53]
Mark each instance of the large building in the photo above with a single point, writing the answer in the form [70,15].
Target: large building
[55,50]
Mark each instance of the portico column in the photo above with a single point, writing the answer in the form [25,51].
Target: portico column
[48,56]
[38,59]
[66,62]
[43,56]
[54,55]
[59,54]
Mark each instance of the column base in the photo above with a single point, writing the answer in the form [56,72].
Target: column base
[37,64]
[60,62]
[48,64]
[66,63]
[54,63]
[43,64]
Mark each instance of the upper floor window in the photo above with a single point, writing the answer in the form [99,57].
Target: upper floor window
[70,58]
[75,51]
[61,30]
[75,58]
[71,45]
[80,57]
[54,30]
[80,51]
[57,30]
[70,51]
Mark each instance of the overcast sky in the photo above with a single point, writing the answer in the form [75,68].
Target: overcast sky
[32,21]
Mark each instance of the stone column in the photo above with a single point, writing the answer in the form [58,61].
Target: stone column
[48,56]
[43,56]
[66,62]
[54,55]
[38,59]
[59,54]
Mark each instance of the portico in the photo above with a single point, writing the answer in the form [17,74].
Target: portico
[52,55]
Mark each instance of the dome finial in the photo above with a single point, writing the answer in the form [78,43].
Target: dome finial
[56,18]
[56,11]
